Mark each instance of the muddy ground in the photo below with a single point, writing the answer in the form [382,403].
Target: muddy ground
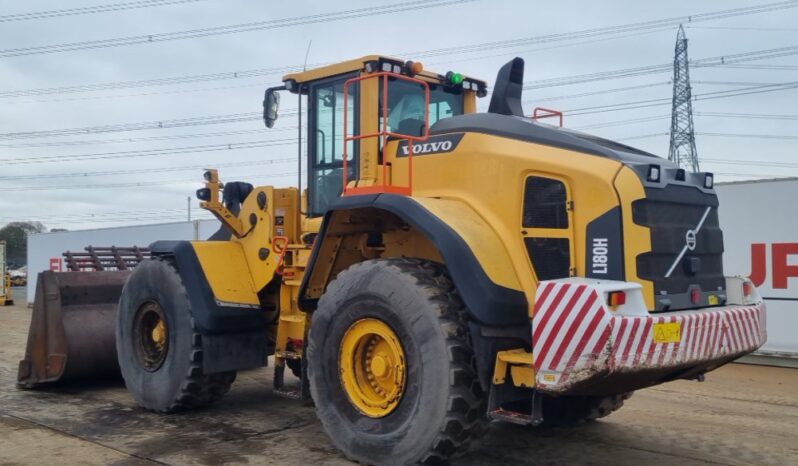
[741,415]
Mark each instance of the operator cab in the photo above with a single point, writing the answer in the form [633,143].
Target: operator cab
[347,119]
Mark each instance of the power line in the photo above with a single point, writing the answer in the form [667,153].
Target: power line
[642,136]
[744,28]
[754,163]
[159,124]
[603,91]
[756,116]
[754,66]
[114,213]
[133,184]
[785,137]
[148,152]
[87,174]
[90,10]
[86,142]
[643,25]
[139,94]
[750,136]
[706,96]
[721,60]
[235,28]
[623,122]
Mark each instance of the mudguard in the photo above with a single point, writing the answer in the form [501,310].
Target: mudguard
[489,303]
[233,337]
[210,315]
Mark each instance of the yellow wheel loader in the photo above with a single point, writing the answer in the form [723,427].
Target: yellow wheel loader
[442,268]
[6,296]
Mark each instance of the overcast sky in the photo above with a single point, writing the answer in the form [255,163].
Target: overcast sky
[147,187]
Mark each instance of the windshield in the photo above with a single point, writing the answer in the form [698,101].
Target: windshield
[406,106]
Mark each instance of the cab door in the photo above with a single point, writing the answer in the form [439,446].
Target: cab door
[326,140]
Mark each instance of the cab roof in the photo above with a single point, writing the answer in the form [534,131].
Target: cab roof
[358,64]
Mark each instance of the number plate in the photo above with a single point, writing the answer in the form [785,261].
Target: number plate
[667,332]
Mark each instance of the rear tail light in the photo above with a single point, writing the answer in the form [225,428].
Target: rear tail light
[748,289]
[616,298]
[695,295]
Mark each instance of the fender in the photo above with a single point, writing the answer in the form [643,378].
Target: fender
[489,303]
[233,337]
[210,315]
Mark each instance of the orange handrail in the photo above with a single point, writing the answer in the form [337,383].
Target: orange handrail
[384,134]
[541,112]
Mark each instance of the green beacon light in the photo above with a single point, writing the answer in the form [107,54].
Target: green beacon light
[454,78]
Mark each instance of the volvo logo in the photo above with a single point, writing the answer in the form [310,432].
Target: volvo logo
[428,148]
[434,145]
[689,239]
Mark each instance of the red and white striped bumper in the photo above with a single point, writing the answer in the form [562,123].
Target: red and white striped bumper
[578,340]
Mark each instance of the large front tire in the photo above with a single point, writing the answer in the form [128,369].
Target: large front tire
[159,349]
[417,317]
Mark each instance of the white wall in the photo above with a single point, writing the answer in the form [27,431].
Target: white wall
[764,213]
[44,246]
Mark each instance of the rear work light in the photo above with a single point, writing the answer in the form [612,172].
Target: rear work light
[709,180]
[653,173]
[616,298]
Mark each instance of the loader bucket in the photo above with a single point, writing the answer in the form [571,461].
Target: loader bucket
[73,328]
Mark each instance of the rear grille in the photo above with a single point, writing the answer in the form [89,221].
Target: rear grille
[546,207]
[670,213]
[551,257]
[544,203]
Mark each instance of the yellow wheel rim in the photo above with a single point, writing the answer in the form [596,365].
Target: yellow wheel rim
[159,334]
[371,363]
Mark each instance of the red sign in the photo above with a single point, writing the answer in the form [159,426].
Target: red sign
[781,269]
[55,264]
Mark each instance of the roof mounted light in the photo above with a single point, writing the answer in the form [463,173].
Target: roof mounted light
[709,180]
[370,66]
[414,67]
[455,79]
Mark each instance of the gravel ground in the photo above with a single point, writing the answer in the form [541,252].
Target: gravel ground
[741,415]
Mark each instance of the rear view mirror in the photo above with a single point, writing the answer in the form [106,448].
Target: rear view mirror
[271,105]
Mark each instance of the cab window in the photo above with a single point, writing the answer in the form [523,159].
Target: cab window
[327,141]
[406,105]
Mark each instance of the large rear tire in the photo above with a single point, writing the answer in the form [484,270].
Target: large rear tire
[159,349]
[419,342]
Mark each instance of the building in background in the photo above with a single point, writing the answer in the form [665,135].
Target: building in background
[760,238]
[45,249]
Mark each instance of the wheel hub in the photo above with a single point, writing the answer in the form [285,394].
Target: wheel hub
[372,367]
[150,336]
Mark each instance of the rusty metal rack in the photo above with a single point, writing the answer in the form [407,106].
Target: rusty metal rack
[103,259]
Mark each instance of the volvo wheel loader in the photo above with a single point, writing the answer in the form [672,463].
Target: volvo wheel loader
[442,268]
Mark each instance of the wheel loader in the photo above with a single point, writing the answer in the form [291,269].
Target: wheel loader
[6,295]
[442,268]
